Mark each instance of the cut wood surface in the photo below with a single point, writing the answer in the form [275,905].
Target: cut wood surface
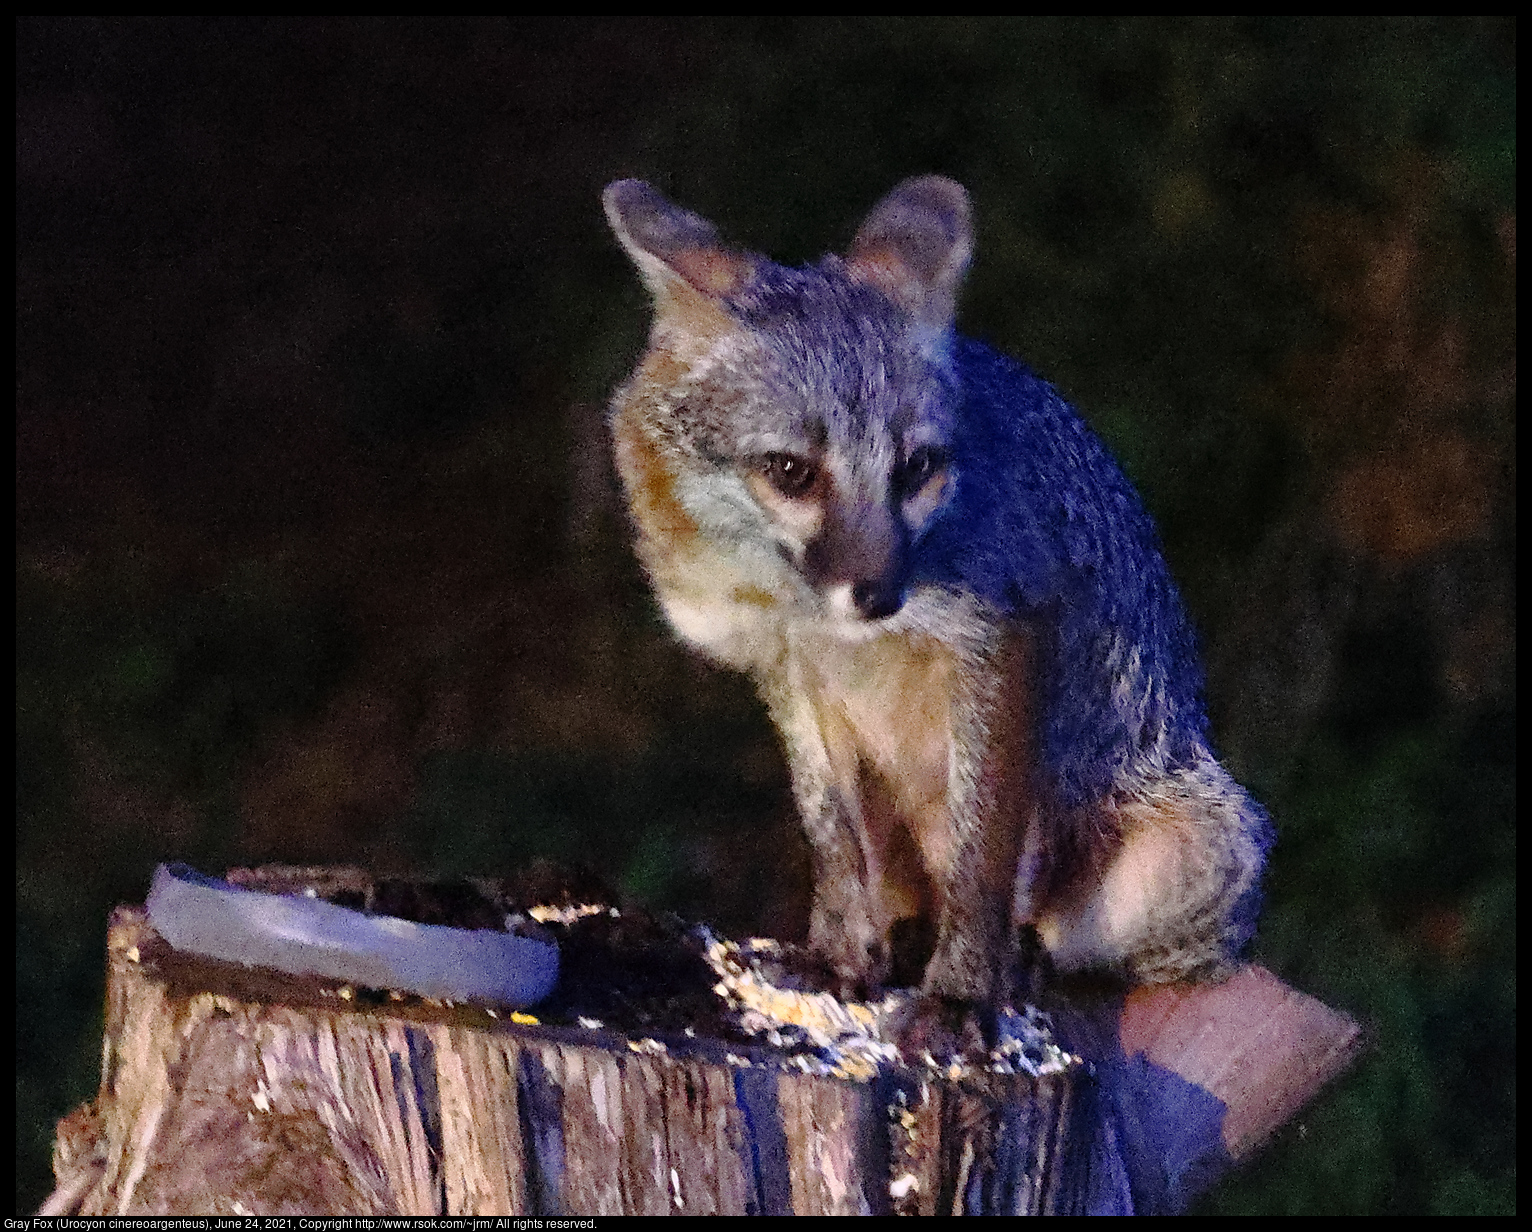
[228,1090]
[1263,1048]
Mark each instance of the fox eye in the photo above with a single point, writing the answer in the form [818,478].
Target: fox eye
[788,473]
[920,468]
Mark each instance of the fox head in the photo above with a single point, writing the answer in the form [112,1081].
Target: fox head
[787,435]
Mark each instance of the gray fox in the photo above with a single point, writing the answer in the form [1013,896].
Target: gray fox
[952,603]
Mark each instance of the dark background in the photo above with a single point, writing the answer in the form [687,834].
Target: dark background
[320,558]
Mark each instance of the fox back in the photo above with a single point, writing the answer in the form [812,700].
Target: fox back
[951,600]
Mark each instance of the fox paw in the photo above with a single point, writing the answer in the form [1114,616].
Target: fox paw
[942,1030]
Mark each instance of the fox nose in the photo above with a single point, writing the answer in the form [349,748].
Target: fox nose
[859,554]
[876,598]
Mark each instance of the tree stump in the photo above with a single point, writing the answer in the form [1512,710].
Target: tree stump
[228,1090]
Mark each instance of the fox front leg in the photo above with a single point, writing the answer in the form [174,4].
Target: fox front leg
[993,802]
[848,921]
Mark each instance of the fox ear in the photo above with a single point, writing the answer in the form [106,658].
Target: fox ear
[672,247]
[915,246]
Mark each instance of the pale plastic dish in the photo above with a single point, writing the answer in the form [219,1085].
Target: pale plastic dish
[308,936]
